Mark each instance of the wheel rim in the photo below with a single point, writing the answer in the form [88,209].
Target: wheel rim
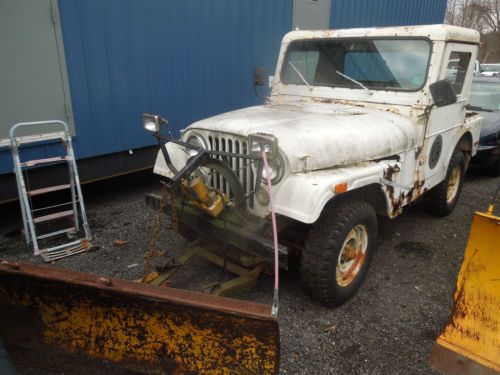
[352,255]
[453,184]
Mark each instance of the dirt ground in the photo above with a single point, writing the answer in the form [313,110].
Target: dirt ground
[389,327]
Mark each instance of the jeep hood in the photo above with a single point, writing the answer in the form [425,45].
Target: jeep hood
[319,136]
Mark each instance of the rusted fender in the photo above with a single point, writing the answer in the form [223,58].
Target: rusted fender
[470,342]
[79,323]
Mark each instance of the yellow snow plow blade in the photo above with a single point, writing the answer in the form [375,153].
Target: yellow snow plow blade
[470,342]
[81,323]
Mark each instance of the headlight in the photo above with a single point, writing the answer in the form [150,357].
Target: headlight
[195,140]
[153,123]
[266,142]
[276,170]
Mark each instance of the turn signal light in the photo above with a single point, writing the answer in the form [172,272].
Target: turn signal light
[340,188]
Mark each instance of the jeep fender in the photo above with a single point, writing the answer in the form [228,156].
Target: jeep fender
[302,196]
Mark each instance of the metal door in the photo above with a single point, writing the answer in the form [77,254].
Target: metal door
[33,77]
[311,14]
[444,122]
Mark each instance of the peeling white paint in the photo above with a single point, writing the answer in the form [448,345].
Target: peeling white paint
[332,135]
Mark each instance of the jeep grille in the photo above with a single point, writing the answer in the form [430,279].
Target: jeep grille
[241,167]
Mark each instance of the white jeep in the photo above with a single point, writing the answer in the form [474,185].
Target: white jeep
[359,122]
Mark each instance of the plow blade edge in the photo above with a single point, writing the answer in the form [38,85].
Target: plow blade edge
[470,342]
[79,323]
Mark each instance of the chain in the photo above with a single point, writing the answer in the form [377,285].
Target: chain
[173,218]
[153,250]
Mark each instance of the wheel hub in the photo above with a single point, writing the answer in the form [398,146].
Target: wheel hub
[352,255]
[453,184]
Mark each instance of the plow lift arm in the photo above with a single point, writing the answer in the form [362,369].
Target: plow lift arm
[77,322]
[470,342]
[262,146]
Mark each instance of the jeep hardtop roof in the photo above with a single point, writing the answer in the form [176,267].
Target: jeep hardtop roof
[438,32]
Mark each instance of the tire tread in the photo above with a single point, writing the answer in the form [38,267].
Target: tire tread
[321,242]
[436,199]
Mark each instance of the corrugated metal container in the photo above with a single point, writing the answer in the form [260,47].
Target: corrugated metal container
[367,13]
[185,60]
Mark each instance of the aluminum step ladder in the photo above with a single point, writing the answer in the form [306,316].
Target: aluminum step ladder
[74,209]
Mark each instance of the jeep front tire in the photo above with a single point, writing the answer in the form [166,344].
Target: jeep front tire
[338,252]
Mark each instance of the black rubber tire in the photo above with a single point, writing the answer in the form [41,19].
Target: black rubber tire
[435,200]
[494,169]
[323,245]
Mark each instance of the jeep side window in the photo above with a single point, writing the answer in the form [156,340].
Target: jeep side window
[457,69]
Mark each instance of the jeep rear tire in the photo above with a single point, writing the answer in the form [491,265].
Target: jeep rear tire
[338,252]
[442,199]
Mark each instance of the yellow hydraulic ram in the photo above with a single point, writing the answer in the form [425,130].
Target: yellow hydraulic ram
[81,323]
[470,342]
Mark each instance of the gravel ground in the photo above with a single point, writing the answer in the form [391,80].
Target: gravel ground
[389,327]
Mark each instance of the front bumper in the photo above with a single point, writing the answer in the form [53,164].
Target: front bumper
[250,238]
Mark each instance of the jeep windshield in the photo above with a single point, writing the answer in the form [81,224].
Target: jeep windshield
[380,64]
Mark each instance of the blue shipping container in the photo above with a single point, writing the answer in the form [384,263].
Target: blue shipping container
[366,13]
[185,60]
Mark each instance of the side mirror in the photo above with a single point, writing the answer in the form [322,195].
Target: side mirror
[259,76]
[442,93]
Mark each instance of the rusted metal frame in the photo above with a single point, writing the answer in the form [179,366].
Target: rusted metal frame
[246,280]
[236,285]
[181,296]
[249,238]
[165,276]
[53,318]
[220,261]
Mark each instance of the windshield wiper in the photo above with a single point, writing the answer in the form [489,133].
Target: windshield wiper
[356,82]
[478,108]
[300,75]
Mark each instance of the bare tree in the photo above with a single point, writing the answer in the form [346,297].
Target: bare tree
[489,11]
[466,13]
[482,15]
[451,11]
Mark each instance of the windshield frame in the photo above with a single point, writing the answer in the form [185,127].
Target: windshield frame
[361,38]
